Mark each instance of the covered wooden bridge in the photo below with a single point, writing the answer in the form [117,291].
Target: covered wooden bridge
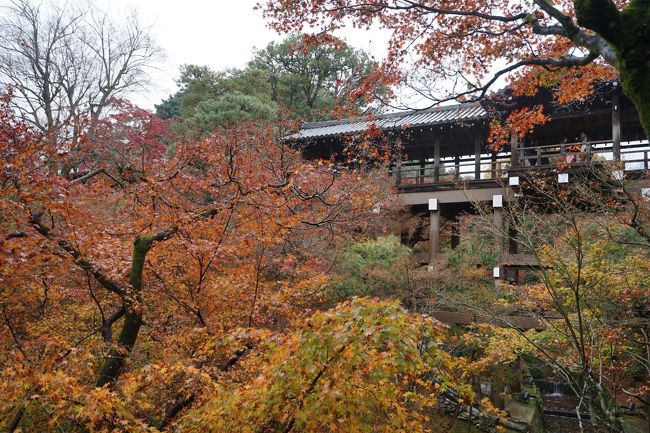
[446,164]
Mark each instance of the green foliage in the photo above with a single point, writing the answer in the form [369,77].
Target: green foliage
[477,250]
[197,84]
[307,78]
[169,108]
[372,268]
[366,365]
[226,110]
[310,78]
[207,99]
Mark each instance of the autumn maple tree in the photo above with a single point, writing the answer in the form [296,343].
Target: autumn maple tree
[589,294]
[461,50]
[364,365]
[135,281]
[66,63]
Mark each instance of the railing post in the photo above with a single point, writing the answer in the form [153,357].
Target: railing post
[588,152]
[398,167]
[456,167]
[645,159]
[477,157]
[539,157]
[494,165]
[514,155]
[421,171]
[616,127]
[436,160]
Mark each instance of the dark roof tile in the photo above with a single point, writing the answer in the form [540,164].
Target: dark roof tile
[404,119]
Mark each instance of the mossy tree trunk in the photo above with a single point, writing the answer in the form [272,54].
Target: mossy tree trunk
[118,354]
[628,32]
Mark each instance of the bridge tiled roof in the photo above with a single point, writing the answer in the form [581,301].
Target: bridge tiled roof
[399,120]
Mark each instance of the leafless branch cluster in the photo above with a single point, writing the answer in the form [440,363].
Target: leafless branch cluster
[539,19]
[65,64]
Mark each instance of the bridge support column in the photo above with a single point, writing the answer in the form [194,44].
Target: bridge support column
[434,230]
[616,127]
[497,205]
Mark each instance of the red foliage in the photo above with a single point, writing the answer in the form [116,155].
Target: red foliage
[458,46]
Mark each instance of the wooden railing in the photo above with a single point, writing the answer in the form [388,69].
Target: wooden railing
[453,170]
[635,156]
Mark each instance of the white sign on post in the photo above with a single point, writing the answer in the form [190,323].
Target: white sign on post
[645,193]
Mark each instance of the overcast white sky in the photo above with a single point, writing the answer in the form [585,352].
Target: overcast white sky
[218,33]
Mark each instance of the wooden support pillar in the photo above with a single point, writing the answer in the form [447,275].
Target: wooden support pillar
[477,157]
[494,165]
[436,160]
[497,205]
[616,127]
[434,230]
[456,167]
[514,152]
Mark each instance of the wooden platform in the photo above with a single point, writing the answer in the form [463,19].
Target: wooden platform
[519,261]
[467,318]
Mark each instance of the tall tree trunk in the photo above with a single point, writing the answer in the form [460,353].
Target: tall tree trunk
[114,362]
[628,31]
[634,67]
